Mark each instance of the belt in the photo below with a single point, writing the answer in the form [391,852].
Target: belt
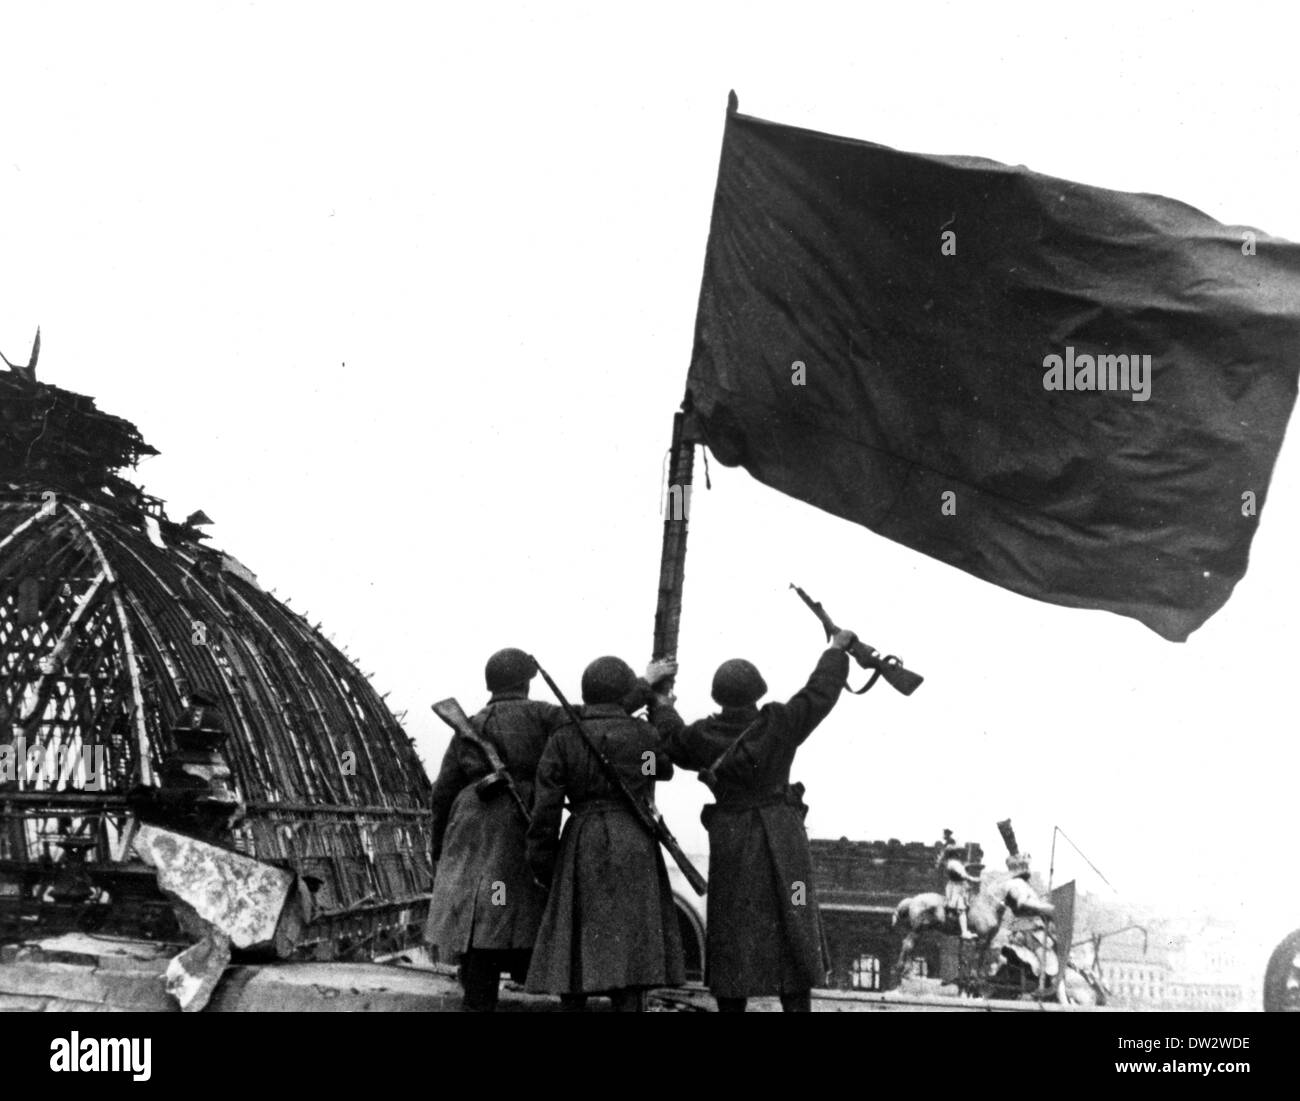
[789,795]
[596,806]
[753,802]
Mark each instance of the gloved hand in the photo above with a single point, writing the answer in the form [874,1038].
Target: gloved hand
[843,639]
[660,669]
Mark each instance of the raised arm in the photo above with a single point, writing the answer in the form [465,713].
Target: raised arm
[813,702]
[669,726]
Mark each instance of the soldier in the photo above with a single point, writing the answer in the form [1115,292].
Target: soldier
[485,906]
[610,925]
[763,931]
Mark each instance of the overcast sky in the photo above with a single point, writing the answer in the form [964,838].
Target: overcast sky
[405,297]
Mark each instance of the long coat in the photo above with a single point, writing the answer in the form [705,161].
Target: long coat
[484,896]
[763,928]
[610,920]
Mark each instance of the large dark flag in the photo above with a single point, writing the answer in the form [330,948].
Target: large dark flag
[1075,393]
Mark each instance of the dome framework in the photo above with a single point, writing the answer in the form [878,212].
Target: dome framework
[111,617]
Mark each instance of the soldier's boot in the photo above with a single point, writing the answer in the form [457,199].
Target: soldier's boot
[732,1005]
[797,1003]
[573,1003]
[516,962]
[481,978]
[628,1000]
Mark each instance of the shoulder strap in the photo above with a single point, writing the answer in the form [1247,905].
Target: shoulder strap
[493,743]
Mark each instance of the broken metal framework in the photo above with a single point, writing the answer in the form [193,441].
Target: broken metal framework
[111,615]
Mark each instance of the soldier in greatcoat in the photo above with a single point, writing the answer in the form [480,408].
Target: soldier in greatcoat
[610,925]
[486,906]
[763,933]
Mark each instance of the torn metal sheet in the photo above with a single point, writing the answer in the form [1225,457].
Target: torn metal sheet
[241,897]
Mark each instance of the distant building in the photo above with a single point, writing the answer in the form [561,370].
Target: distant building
[1173,967]
[1206,970]
[1133,967]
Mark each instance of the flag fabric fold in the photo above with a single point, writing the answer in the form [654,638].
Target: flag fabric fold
[1074,393]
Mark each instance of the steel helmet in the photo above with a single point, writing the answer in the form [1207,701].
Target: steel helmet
[607,680]
[738,683]
[509,668]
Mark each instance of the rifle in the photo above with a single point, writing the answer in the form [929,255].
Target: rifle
[891,668]
[496,781]
[647,814]
[709,776]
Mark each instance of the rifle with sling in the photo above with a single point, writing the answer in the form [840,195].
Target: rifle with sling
[647,814]
[891,668]
[499,779]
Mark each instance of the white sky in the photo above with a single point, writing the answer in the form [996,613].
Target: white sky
[405,296]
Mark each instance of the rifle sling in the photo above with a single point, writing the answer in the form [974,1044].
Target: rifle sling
[486,748]
[712,770]
[875,676]
[619,789]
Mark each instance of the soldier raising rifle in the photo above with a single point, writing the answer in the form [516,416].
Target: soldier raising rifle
[764,932]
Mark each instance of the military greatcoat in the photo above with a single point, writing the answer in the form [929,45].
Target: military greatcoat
[610,920]
[484,896]
[763,928]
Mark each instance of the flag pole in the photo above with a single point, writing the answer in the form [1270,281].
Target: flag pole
[672,560]
[677,504]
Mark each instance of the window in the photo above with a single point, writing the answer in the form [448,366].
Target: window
[866,972]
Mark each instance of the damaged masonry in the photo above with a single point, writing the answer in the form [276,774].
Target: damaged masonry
[184,758]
